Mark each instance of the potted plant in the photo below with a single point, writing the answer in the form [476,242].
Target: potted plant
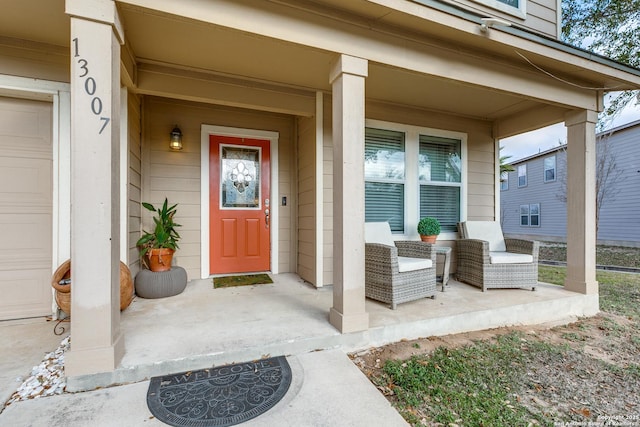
[428,228]
[157,247]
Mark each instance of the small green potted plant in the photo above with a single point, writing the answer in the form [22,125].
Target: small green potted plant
[157,247]
[428,228]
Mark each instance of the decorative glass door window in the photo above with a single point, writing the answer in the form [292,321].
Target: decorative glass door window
[239,177]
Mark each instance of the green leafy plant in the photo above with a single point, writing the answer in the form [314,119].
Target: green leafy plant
[164,234]
[429,226]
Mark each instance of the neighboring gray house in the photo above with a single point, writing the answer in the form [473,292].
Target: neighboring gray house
[531,197]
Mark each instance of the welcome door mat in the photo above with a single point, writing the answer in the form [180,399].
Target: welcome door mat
[221,396]
[245,280]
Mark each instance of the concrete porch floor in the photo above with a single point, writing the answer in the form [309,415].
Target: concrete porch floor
[203,326]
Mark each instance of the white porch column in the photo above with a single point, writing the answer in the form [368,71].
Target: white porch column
[96,344]
[347,78]
[581,202]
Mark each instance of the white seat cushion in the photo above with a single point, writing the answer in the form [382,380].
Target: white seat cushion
[412,264]
[510,258]
[378,232]
[489,231]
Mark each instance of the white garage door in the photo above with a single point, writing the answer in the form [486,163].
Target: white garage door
[25,208]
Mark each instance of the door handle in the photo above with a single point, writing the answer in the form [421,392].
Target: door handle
[266,217]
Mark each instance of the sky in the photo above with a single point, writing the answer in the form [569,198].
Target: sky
[530,143]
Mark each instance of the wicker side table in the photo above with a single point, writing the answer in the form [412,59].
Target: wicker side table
[443,254]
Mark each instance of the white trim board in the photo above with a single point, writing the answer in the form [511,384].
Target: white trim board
[319,190]
[411,196]
[124,175]
[273,138]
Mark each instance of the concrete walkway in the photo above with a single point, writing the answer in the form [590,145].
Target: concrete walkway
[327,389]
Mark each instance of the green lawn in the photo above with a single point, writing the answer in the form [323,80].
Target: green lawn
[483,384]
[472,385]
[619,292]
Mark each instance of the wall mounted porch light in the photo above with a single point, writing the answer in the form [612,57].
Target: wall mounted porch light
[175,143]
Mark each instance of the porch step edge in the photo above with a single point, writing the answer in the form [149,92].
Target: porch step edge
[133,374]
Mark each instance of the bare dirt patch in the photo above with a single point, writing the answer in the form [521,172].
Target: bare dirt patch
[594,378]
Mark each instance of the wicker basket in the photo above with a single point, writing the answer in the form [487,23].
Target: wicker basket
[63,292]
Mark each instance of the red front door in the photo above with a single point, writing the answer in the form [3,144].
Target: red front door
[239,196]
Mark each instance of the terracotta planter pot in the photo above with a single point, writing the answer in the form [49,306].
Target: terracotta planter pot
[428,239]
[160,259]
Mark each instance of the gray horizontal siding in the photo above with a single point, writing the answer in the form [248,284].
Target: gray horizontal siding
[553,217]
[541,15]
[619,215]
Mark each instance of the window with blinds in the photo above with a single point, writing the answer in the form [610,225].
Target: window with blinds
[384,171]
[440,176]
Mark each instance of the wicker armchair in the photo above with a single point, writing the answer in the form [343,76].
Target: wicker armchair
[397,271]
[487,260]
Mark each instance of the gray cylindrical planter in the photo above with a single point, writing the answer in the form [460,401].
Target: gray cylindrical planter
[151,284]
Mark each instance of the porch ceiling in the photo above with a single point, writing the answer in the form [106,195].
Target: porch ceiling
[164,39]
[35,20]
[157,38]
[183,44]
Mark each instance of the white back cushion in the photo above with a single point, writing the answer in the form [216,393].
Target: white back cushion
[378,232]
[486,230]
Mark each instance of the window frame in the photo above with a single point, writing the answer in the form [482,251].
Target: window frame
[524,215]
[555,169]
[526,179]
[528,215]
[504,181]
[531,215]
[412,183]
[520,11]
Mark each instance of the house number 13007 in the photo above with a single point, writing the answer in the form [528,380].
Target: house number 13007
[90,87]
